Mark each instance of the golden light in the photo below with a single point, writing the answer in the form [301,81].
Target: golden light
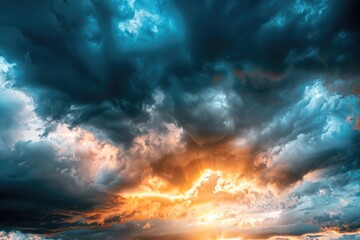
[225,238]
[215,198]
[209,218]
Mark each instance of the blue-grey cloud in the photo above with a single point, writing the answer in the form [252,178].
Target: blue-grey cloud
[278,77]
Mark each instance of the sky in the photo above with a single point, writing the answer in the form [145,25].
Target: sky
[179,119]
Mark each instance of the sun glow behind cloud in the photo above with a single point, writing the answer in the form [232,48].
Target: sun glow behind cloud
[215,200]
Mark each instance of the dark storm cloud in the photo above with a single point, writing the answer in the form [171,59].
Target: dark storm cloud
[115,232]
[307,140]
[9,109]
[88,54]
[72,53]
[270,48]
[35,195]
[283,73]
[271,32]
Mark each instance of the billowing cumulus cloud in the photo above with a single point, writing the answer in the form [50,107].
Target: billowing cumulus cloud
[131,119]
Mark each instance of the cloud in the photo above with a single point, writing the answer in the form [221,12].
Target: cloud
[315,134]
[134,119]
[75,57]
[90,56]
[35,193]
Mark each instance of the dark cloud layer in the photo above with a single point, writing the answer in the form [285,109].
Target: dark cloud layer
[279,77]
[35,196]
[73,54]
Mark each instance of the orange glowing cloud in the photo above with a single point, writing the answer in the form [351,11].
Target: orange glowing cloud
[215,198]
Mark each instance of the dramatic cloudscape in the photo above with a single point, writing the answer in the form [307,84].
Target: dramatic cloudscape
[179,119]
